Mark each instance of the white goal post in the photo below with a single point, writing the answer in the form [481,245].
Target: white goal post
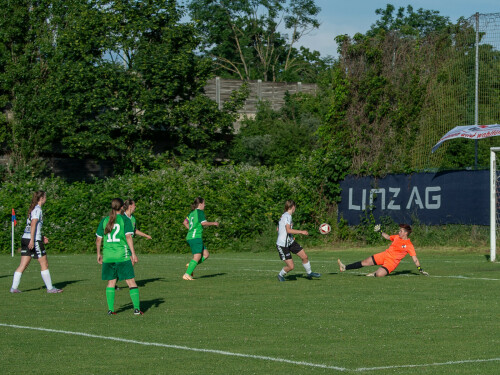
[494,201]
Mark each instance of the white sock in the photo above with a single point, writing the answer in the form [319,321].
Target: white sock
[46,279]
[307,266]
[282,272]
[17,279]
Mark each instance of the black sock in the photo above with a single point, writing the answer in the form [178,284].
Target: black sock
[353,266]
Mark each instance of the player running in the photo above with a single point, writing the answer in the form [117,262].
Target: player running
[194,223]
[286,244]
[32,244]
[388,260]
[118,255]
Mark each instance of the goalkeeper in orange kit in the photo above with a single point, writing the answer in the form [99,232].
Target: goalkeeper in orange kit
[388,260]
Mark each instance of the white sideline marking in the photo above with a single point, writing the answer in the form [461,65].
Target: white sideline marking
[221,352]
[265,358]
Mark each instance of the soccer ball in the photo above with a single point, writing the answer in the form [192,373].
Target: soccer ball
[325,228]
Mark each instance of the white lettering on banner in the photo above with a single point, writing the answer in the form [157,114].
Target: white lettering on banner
[436,198]
[377,191]
[391,205]
[432,198]
[418,200]
[352,206]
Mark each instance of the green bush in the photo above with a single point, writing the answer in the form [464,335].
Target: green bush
[247,201]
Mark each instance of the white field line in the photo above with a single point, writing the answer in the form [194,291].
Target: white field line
[213,351]
[250,356]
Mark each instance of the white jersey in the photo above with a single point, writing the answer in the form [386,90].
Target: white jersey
[285,239]
[35,214]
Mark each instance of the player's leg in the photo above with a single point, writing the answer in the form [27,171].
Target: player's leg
[197,249]
[126,272]
[286,256]
[305,260]
[109,273]
[370,261]
[41,256]
[23,264]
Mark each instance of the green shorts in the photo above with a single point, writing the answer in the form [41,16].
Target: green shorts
[196,245]
[118,270]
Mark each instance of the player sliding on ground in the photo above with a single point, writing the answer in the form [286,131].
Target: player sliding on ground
[286,245]
[388,260]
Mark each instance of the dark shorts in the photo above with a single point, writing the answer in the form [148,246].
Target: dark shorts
[37,252]
[196,246]
[118,270]
[286,252]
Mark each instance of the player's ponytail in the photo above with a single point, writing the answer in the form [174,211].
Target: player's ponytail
[196,203]
[289,204]
[37,195]
[116,206]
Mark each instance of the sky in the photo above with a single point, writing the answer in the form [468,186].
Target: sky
[349,17]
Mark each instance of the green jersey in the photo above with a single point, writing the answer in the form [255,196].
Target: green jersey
[195,218]
[115,247]
[134,222]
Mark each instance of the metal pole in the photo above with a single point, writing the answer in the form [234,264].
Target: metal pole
[476,89]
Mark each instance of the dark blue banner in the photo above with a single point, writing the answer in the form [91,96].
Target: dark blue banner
[457,197]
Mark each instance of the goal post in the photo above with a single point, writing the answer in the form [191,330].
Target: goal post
[494,200]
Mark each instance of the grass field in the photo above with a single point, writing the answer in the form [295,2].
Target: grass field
[236,318]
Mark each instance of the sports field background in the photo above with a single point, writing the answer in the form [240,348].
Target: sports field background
[236,318]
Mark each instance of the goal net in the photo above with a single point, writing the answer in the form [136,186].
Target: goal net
[494,202]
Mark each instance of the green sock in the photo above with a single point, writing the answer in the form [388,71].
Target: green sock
[201,260]
[110,297]
[191,267]
[134,296]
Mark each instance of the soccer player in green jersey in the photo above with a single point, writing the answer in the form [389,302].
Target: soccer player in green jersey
[195,222]
[129,209]
[118,254]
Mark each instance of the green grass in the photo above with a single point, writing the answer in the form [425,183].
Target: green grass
[236,305]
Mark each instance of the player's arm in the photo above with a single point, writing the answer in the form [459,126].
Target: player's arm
[290,230]
[209,223]
[385,235]
[142,234]
[419,268]
[130,243]
[31,245]
[98,242]
[186,223]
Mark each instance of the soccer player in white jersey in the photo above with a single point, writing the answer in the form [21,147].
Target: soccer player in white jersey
[286,244]
[32,244]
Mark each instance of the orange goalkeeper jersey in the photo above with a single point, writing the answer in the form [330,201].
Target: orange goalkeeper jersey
[399,248]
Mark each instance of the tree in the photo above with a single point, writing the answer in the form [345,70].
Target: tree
[416,24]
[243,37]
[107,80]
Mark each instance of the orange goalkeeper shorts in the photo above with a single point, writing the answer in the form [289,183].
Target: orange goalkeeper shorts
[381,259]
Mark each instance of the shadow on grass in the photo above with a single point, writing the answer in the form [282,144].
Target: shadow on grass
[64,284]
[212,275]
[140,283]
[145,305]
[59,285]
[2,276]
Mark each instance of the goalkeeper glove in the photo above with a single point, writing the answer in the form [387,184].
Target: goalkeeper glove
[422,271]
[376,228]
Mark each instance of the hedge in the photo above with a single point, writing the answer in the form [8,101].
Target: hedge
[247,201]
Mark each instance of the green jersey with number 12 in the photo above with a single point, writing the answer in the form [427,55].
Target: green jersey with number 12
[115,247]
[195,218]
